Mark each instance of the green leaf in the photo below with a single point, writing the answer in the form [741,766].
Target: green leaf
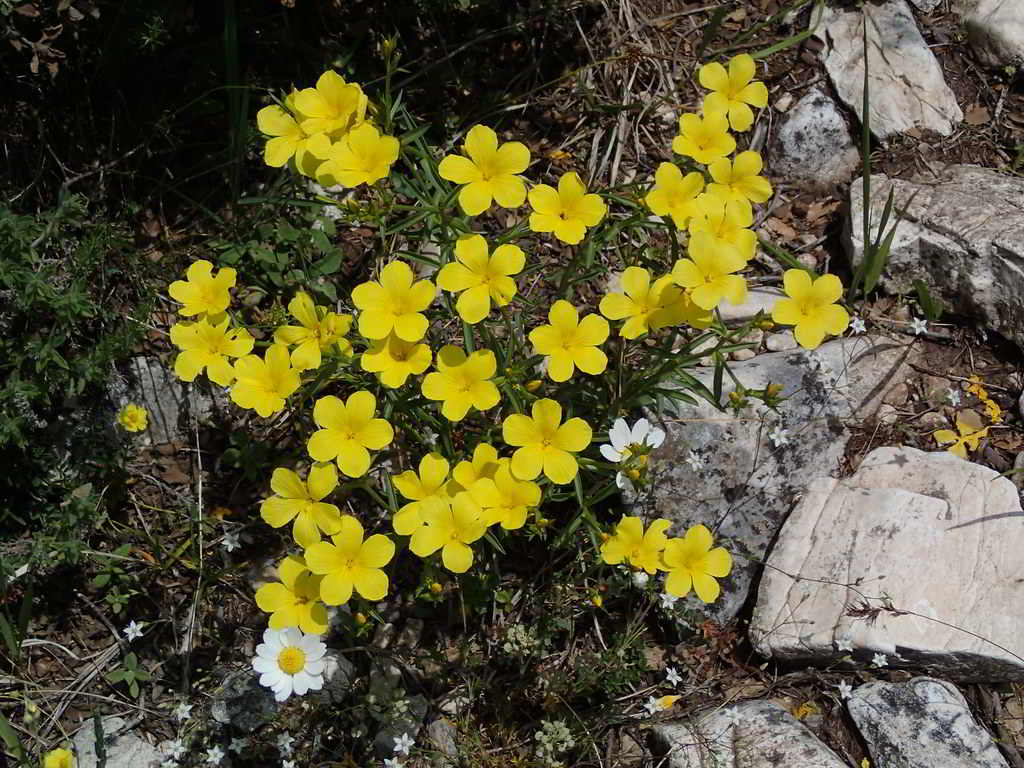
[931,306]
[11,740]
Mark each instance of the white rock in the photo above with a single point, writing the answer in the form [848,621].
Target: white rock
[813,144]
[758,300]
[937,536]
[922,723]
[995,29]
[124,750]
[907,89]
[963,235]
[754,734]
[741,355]
[926,5]
[747,484]
[780,342]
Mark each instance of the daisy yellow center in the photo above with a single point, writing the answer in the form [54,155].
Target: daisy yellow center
[291,660]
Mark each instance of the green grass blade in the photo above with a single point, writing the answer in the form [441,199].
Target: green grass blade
[711,30]
[11,740]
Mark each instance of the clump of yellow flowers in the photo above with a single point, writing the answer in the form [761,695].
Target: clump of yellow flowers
[440,345]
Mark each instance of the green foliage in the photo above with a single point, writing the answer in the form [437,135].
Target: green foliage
[129,673]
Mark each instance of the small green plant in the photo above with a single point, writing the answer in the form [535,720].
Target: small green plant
[129,673]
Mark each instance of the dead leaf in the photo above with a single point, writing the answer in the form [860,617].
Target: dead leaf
[781,228]
[28,9]
[977,115]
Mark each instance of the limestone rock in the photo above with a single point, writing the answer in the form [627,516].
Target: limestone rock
[754,734]
[409,723]
[781,341]
[926,5]
[962,235]
[124,750]
[929,534]
[737,481]
[758,300]
[922,723]
[440,738]
[242,702]
[339,673]
[995,29]
[907,89]
[813,144]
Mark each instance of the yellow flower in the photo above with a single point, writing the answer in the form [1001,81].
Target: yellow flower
[59,758]
[333,107]
[318,330]
[202,291]
[727,222]
[394,360]
[484,464]
[740,180]
[993,411]
[733,90]
[489,172]
[133,418]
[348,432]
[504,499]
[294,601]
[708,273]
[481,279]
[976,387]
[811,307]
[264,384]
[462,382]
[567,211]
[430,483]
[349,563]
[570,343]
[705,139]
[968,424]
[303,501]
[666,702]
[690,561]
[647,307]
[545,443]
[207,346]
[363,156]
[393,304]
[630,543]
[675,195]
[450,527]
[287,139]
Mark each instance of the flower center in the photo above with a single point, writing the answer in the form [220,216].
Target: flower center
[291,660]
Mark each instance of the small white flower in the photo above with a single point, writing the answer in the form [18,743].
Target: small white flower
[230,541]
[668,602]
[779,437]
[845,643]
[879,660]
[696,462]
[845,689]
[392,762]
[652,706]
[953,395]
[919,325]
[672,676]
[403,744]
[239,744]
[624,442]
[183,712]
[290,661]
[288,764]
[284,743]
[732,717]
[214,755]
[175,749]
[640,579]
[430,437]
[857,325]
[133,630]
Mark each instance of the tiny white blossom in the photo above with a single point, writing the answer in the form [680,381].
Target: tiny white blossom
[668,601]
[175,749]
[953,395]
[289,764]
[652,706]
[696,462]
[214,755]
[919,325]
[430,437]
[239,744]
[640,579]
[672,676]
[733,718]
[230,541]
[284,743]
[779,437]
[133,630]
[845,643]
[403,744]
[183,712]
[857,325]
[845,689]
[392,763]
[879,660]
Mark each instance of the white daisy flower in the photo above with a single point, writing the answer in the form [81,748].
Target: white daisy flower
[672,676]
[133,630]
[403,744]
[845,689]
[879,660]
[919,325]
[290,661]
[857,325]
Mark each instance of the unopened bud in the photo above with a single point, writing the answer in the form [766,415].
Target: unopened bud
[534,385]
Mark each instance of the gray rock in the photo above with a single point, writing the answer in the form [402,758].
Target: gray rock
[740,355]
[747,484]
[926,5]
[905,80]
[1018,471]
[242,702]
[922,723]
[339,674]
[754,734]
[124,750]
[440,739]
[913,558]
[995,29]
[760,299]
[813,144]
[781,341]
[410,723]
[962,235]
